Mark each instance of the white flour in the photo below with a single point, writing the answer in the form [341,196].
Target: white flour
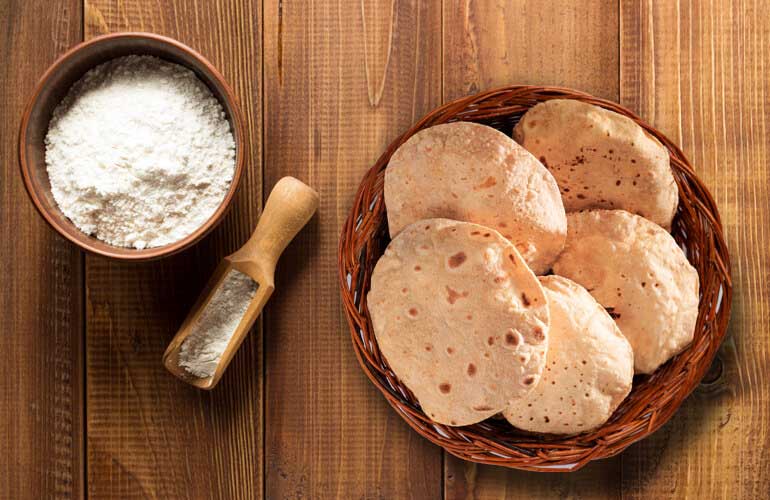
[139,153]
[201,351]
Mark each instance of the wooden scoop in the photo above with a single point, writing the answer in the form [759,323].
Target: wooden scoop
[289,207]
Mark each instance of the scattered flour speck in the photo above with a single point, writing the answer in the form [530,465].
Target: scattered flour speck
[139,152]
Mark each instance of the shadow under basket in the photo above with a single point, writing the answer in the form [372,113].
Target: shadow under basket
[653,399]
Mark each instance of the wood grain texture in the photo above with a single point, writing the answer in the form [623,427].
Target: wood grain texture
[697,71]
[342,79]
[41,288]
[149,434]
[487,45]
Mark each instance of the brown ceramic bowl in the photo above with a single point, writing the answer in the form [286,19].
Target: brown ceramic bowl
[55,84]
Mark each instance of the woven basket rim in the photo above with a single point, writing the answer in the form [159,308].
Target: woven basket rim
[653,399]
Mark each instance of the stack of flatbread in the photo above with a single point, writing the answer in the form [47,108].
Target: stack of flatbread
[533,277]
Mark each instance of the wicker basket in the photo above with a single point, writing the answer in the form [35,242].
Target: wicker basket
[653,399]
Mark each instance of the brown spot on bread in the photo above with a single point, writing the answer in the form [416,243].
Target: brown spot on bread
[482,408]
[612,313]
[457,259]
[581,196]
[490,340]
[502,224]
[469,317]
[471,369]
[445,388]
[538,334]
[511,338]
[529,380]
[450,350]
[475,233]
[542,160]
[525,299]
[617,183]
[413,312]
[499,279]
[487,235]
[428,347]
[488,183]
[512,258]
[417,268]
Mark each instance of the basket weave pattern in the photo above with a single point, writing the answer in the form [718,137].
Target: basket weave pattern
[653,399]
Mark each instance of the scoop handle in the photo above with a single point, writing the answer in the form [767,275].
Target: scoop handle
[289,207]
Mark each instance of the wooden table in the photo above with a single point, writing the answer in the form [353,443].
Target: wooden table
[86,408]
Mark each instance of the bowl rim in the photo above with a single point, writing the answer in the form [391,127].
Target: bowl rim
[239,136]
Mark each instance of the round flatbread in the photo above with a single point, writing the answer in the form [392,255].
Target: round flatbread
[600,159]
[636,270]
[589,366]
[460,318]
[474,173]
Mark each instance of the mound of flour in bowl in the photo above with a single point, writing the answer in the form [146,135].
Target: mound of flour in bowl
[139,153]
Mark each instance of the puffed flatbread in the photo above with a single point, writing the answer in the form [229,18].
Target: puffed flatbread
[589,366]
[600,159]
[637,271]
[460,318]
[474,173]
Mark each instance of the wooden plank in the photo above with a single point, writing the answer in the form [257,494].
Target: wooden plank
[697,70]
[342,79]
[149,435]
[488,45]
[41,374]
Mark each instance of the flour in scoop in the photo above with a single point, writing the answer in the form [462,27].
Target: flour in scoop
[211,333]
[139,153]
